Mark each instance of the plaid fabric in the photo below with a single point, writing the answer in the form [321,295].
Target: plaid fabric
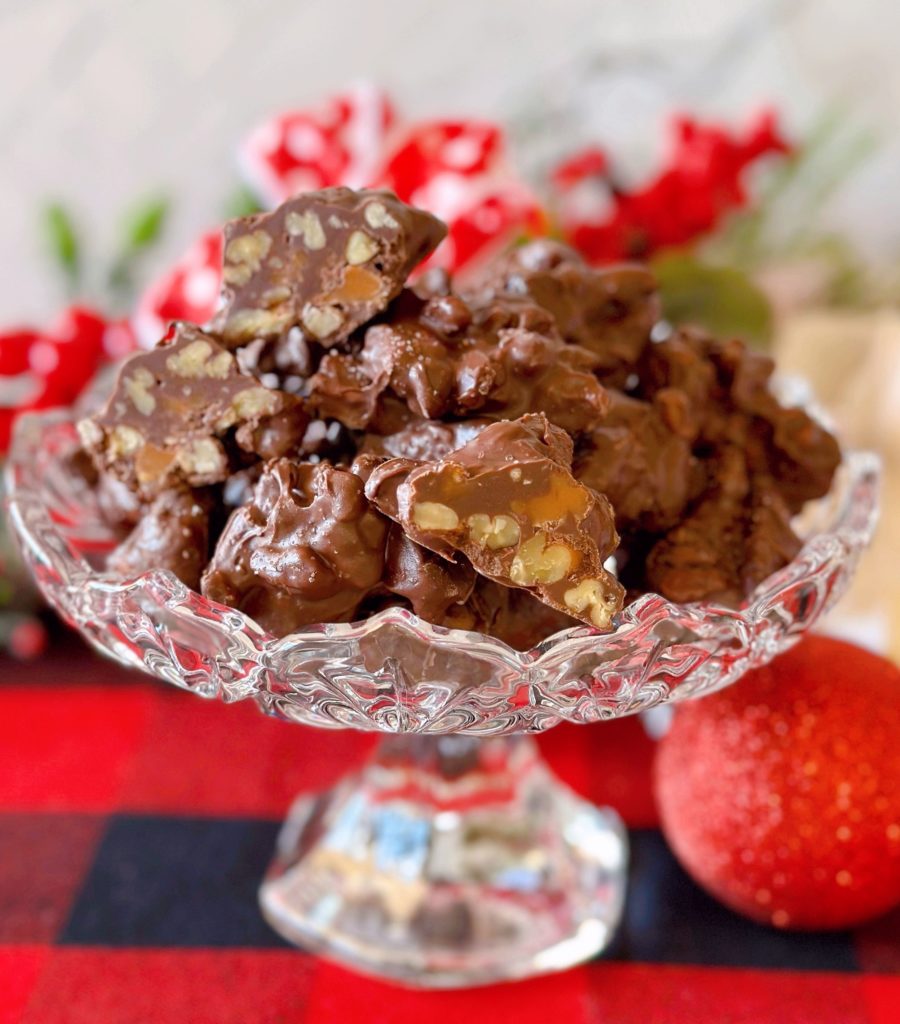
[136,822]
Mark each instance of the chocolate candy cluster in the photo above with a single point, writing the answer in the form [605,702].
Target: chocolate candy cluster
[515,458]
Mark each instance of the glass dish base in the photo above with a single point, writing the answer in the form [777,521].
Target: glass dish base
[449,861]
[454,858]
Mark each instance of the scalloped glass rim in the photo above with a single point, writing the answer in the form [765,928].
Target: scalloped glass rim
[394,671]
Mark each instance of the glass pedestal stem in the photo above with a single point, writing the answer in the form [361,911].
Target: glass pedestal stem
[449,861]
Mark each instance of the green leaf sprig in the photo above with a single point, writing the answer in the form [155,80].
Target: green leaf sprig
[64,244]
[142,228]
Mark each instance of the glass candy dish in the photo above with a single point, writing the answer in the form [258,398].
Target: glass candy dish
[454,857]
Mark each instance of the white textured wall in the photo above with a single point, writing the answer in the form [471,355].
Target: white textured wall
[101,102]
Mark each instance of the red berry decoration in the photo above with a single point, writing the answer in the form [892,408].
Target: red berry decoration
[781,794]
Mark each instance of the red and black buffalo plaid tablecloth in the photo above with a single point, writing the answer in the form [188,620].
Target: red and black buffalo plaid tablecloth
[136,822]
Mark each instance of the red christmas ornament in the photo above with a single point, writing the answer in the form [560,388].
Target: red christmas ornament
[781,794]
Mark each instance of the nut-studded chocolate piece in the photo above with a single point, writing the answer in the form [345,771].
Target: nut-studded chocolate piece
[514,615]
[326,262]
[644,468]
[508,501]
[802,455]
[718,393]
[173,407]
[805,457]
[172,534]
[441,360]
[678,368]
[307,548]
[722,552]
[436,589]
[541,373]
[735,536]
[609,311]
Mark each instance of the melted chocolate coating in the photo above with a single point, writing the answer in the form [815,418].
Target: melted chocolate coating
[609,311]
[423,440]
[458,414]
[434,588]
[645,469]
[718,393]
[800,454]
[513,615]
[173,534]
[677,368]
[734,538]
[444,360]
[307,548]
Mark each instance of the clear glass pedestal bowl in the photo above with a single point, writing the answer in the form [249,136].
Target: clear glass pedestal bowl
[454,857]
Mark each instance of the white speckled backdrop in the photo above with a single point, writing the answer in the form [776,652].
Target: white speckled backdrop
[102,102]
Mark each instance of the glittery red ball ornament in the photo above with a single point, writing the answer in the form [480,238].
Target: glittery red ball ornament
[781,794]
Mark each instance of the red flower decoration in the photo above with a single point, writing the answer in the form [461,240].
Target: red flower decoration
[43,369]
[461,149]
[489,222]
[588,163]
[341,142]
[458,171]
[702,180]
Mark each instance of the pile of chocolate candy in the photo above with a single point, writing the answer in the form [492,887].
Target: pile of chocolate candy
[514,458]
